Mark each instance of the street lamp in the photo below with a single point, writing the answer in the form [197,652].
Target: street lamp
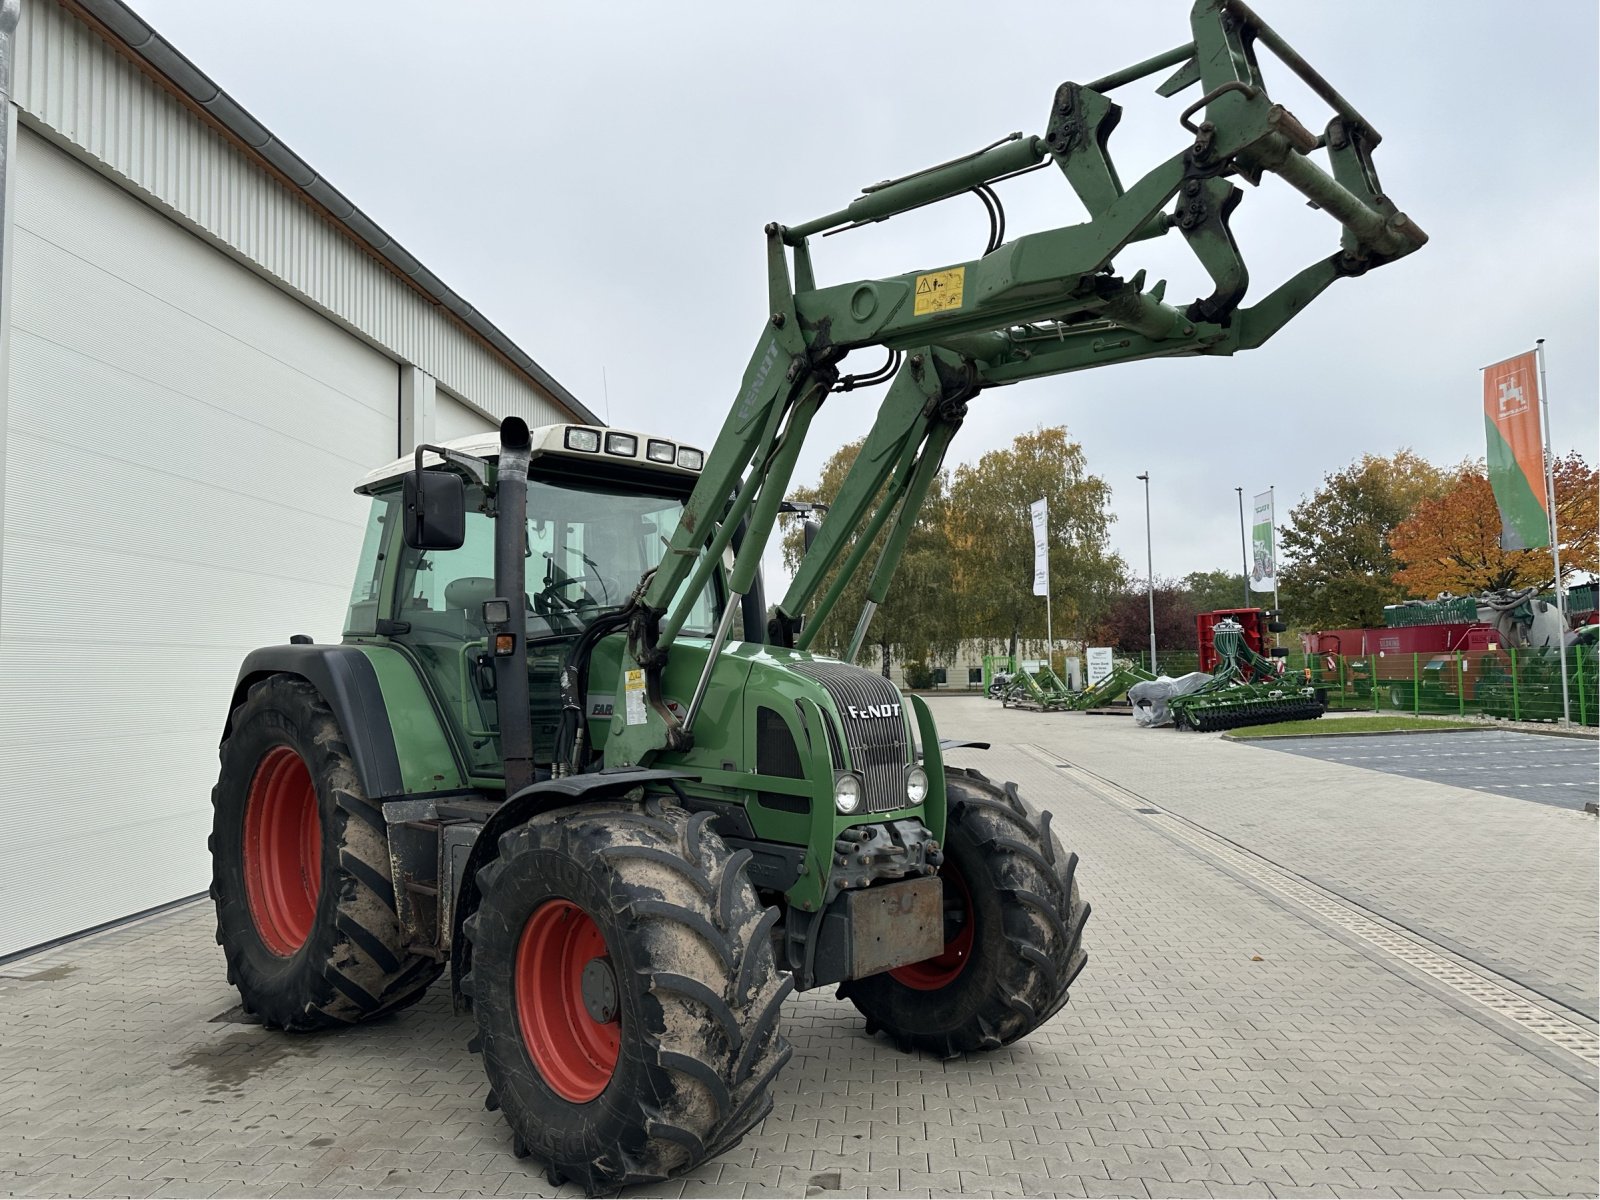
[1150,571]
[1244,555]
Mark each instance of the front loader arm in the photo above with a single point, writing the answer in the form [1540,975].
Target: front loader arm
[1040,304]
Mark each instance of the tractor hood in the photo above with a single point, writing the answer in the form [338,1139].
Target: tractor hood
[770,710]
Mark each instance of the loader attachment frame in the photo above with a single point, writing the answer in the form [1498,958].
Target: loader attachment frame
[1041,304]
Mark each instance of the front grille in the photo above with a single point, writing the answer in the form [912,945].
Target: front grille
[776,753]
[877,745]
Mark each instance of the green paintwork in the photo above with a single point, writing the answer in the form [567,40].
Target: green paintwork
[1041,304]
[747,676]
[427,763]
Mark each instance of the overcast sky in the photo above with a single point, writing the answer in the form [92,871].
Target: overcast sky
[594,177]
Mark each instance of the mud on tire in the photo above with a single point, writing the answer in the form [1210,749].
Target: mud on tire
[1015,891]
[324,948]
[694,1041]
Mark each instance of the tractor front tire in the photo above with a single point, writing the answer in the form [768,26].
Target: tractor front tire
[1013,932]
[300,870]
[626,992]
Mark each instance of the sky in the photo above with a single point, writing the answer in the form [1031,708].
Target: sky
[595,179]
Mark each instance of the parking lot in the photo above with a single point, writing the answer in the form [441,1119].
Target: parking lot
[1525,766]
[1306,978]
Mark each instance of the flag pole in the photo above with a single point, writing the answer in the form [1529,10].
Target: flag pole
[1272,532]
[1555,537]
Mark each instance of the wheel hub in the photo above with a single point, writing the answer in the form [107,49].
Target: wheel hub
[600,991]
[567,1000]
[282,851]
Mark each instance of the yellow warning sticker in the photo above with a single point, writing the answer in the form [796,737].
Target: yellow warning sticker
[633,697]
[939,291]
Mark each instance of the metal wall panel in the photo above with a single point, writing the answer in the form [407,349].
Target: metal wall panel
[74,89]
[453,419]
[183,437]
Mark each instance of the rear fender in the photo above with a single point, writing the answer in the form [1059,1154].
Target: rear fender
[347,681]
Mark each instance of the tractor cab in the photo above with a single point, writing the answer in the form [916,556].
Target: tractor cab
[601,507]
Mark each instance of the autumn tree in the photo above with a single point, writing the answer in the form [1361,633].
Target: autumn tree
[915,623]
[1452,543]
[1126,623]
[991,533]
[1339,567]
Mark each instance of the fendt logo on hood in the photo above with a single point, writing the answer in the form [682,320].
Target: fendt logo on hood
[862,712]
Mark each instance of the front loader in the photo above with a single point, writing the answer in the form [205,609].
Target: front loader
[566,752]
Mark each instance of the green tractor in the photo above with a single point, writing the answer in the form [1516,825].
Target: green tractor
[567,753]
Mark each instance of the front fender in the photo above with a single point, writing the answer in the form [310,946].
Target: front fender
[519,809]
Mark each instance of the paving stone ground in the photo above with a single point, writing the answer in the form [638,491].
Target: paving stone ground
[1219,1043]
[1511,884]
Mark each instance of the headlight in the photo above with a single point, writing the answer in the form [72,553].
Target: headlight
[690,459]
[846,793]
[916,785]
[661,452]
[622,443]
[583,439]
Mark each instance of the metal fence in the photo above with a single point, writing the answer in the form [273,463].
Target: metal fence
[1519,685]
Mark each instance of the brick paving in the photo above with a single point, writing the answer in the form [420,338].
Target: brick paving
[1183,1066]
[1511,884]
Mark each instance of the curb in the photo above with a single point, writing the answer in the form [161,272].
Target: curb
[1356,733]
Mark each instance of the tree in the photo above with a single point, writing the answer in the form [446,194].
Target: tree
[1452,543]
[991,533]
[1211,590]
[1339,566]
[916,620]
[1126,624]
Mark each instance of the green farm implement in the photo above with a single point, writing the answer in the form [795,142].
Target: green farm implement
[1040,689]
[566,752]
[1112,687]
[1044,691]
[1245,689]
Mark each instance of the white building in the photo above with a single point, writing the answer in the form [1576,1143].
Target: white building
[203,347]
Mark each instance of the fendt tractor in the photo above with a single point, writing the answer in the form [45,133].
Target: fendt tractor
[566,752]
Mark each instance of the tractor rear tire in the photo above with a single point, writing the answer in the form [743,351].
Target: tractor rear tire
[626,992]
[300,870]
[1014,932]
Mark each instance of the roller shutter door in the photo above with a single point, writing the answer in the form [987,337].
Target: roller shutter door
[182,442]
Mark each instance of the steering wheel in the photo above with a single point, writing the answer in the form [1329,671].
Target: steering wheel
[563,611]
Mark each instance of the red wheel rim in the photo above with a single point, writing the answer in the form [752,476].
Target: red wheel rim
[575,1052]
[941,970]
[282,851]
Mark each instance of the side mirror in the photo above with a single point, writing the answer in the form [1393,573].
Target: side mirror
[435,510]
[811,530]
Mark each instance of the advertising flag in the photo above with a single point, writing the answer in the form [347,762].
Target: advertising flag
[1516,451]
[1041,547]
[1264,568]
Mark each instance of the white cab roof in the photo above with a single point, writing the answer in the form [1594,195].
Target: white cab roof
[551,440]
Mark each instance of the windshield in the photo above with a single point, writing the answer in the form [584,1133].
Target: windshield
[587,546]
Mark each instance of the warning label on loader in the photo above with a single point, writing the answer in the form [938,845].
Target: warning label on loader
[633,689]
[939,291]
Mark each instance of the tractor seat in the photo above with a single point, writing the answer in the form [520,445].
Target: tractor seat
[468,594]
